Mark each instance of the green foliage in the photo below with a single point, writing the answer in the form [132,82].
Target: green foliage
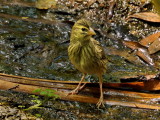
[47,93]
[21,106]
[37,102]
[38,115]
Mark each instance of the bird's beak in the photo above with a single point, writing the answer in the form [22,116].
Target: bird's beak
[91,32]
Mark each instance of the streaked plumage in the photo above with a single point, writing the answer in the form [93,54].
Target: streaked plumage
[86,54]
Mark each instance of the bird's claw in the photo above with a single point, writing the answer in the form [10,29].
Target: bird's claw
[73,92]
[100,102]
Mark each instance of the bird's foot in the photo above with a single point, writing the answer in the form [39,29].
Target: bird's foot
[100,102]
[73,92]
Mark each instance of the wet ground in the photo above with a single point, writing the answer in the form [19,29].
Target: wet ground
[32,46]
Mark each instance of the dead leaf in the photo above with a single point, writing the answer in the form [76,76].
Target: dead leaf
[72,2]
[132,45]
[143,53]
[147,16]
[139,77]
[112,4]
[45,4]
[148,40]
[127,55]
[151,85]
[133,58]
[154,47]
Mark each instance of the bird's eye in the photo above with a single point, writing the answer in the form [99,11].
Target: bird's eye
[84,29]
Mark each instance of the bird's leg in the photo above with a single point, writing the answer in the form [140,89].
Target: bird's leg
[79,87]
[100,102]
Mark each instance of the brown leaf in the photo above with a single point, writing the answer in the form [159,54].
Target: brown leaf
[140,77]
[127,55]
[147,16]
[148,40]
[112,4]
[72,2]
[132,45]
[154,47]
[45,4]
[149,85]
[143,53]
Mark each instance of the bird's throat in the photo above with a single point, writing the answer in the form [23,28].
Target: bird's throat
[85,41]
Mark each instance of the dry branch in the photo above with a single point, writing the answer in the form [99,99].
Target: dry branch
[90,94]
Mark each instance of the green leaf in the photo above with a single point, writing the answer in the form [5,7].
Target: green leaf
[37,90]
[43,93]
[50,94]
[56,96]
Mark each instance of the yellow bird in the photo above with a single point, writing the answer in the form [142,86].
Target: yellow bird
[86,54]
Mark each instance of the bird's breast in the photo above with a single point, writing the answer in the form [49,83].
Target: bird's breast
[84,58]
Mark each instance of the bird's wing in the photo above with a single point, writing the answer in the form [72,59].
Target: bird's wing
[99,50]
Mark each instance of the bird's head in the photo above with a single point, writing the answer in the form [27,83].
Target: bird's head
[82,31]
